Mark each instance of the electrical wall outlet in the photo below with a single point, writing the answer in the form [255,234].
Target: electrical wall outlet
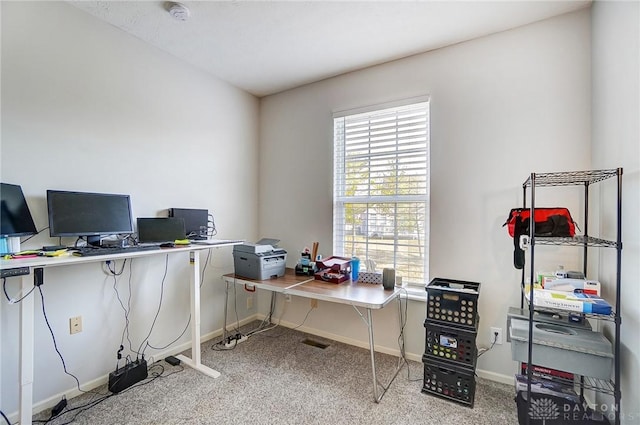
[287,297]
[249,302]
[75,325]
[496,334]
[314,303]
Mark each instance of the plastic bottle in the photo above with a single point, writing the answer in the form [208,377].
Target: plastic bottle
[355,268]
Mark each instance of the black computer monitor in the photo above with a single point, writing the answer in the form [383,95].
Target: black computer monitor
[196,221]
[15,217]
[91,215]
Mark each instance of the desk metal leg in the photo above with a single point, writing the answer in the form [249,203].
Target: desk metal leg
[26,351]
[373,357]
[194,361]
[226,301]
[376,383]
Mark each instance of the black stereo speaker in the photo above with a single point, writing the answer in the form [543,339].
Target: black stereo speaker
[388,278]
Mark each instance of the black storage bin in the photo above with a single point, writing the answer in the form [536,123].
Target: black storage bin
[449,382]
[453,303]
[454,345]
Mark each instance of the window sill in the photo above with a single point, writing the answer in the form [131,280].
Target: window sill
[414,293]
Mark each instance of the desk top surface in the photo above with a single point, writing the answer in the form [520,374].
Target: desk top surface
[68,258]
[276,285]
[354,293]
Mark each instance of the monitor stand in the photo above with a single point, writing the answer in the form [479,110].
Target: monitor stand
[94,241]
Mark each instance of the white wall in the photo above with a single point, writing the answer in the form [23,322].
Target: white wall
[87,107]
[502,107]
[616,143]
[84,107]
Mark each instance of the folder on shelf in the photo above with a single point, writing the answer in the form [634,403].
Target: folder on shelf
[544,386]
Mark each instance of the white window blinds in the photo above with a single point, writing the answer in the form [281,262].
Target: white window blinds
[381,189]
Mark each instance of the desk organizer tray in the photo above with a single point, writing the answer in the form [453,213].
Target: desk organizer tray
[573,350]
[337,264]
[449,382]
[330,276]
[333,269]
[453,302]
[452,345]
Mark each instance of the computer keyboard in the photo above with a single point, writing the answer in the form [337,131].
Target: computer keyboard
[87,251]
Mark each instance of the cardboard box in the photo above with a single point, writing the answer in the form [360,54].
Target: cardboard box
[577,302]
[591,287]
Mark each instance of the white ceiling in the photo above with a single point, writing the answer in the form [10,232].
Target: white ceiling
[265,47]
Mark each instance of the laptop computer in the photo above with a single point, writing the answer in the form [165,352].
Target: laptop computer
[160,230]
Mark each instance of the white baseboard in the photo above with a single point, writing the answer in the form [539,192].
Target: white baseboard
[496,377]
[338,338]
[491,376]
[95,383]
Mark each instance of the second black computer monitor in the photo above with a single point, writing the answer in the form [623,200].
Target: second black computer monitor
[196,221]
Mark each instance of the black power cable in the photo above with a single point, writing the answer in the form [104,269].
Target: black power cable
[92,403]
[5,417]
[145,341]
[127,309]
[55,344]
[495,338]
[13,300]
[204,269]
[34,235]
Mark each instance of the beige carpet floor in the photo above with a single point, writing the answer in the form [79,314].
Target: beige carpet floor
[276,378]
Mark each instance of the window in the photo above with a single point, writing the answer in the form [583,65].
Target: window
[381,189]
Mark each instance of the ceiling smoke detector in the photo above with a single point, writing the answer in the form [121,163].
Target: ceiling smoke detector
[178,11]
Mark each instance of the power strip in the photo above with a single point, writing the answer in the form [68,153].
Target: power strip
[16,271]
[126,376]
[234,340]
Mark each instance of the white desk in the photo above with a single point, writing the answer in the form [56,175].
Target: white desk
[27,310]
[358,295]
